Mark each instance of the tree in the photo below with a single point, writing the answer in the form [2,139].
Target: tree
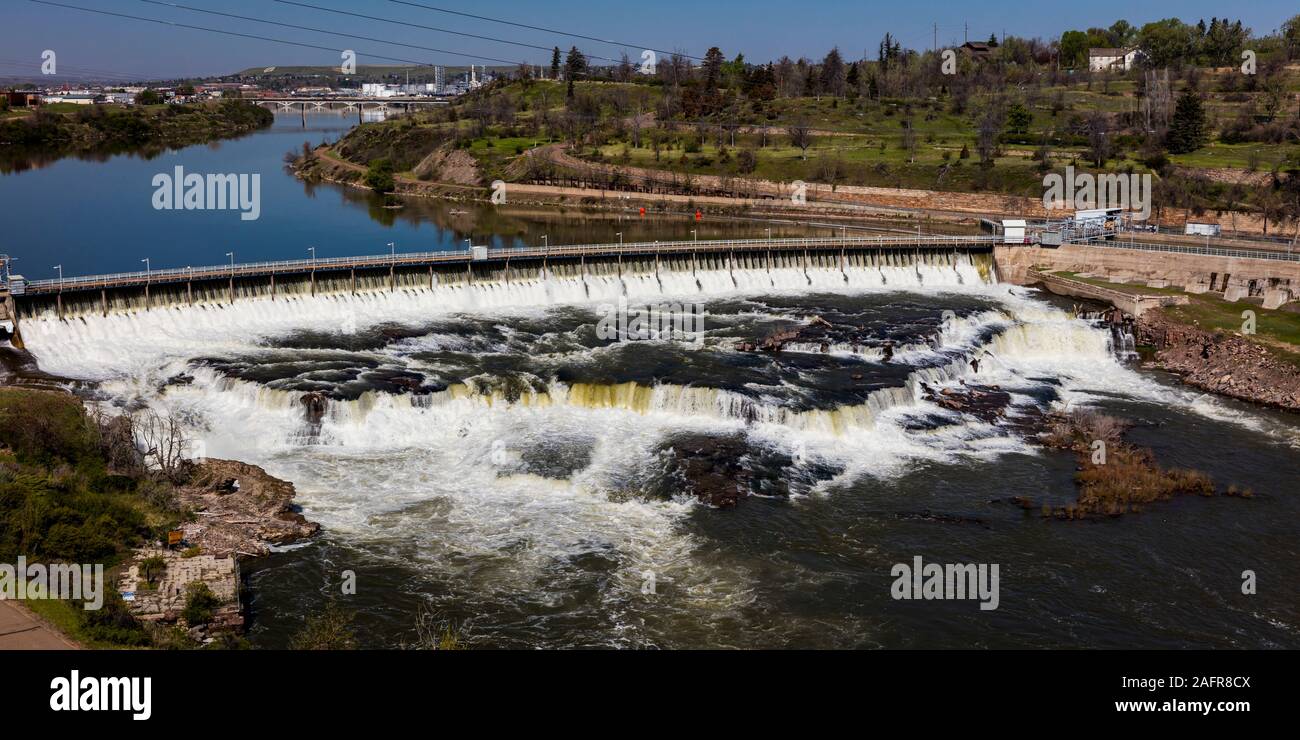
[163,443]
[555,63]
[801,135]
[1167,42]
[1121,34]
[1099,144]
[1187,129]
[1291,37]
[148,96]
[890,51]
[834,79]
[1018,120]
[713,61]
[575,64]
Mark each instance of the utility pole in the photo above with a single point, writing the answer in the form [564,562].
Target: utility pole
[936,38]
[965,34]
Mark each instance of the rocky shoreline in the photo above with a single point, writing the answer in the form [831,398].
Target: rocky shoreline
[1218,362]
[240,510]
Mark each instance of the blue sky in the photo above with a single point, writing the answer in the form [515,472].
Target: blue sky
[761,29]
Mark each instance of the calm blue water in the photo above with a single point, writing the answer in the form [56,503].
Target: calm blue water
[96,216]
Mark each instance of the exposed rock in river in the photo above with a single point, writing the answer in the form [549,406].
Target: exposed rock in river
[241,510]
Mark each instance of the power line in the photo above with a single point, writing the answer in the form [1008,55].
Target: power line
[318,30]
[426,28]
[250,35]
[539,28]
[74,70]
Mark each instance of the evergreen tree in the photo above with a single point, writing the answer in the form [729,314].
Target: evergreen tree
[1187,129]
[575,64]
[555,63]
[833,77]
[713,61]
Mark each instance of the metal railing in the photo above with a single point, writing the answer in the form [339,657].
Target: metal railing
[1256,254]
[247,269]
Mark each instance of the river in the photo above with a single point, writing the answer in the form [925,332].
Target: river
[485,454]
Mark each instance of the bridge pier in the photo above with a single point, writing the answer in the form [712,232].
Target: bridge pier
[103,300]
[354,281]
[59,304]
[392,278]
[189,292]
[430,277]
[273,287]
[313,282]
[230,290]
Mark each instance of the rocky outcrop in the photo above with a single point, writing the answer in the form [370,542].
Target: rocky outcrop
[1220,362]
[240,510]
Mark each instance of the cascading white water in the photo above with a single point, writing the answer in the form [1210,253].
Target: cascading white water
[448,473]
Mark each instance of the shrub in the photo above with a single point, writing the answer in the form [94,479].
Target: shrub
[379,176]
[199,604]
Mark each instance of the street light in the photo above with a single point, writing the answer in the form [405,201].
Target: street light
[545,244]
[392,252]
[146,268]
[60,269]
[620,239]
[231,255]
[695,234]
[313,256]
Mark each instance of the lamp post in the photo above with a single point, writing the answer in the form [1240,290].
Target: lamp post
[313,256]
[231,255]
[392,252]
[147,269]
[60,269]
[545,244]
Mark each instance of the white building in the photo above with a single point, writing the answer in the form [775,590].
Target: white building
[379,90]
[1101,60]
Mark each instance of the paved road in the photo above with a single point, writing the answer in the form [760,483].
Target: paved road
[20,630]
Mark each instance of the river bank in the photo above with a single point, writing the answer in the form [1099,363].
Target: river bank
[1221,362]
[170,532]
[41,136]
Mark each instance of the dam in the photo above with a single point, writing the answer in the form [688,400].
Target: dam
[727,263]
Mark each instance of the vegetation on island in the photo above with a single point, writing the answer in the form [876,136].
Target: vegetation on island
[1114,476]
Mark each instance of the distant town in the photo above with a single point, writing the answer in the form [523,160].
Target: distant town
[269,83]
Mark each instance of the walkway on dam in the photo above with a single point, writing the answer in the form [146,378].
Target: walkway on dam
[484,255]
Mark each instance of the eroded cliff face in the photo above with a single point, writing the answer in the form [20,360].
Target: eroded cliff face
[1219,362]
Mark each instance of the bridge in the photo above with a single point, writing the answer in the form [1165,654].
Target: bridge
[349,103]
[501,257]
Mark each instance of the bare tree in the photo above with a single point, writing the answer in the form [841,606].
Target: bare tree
[163,443]
[801,135]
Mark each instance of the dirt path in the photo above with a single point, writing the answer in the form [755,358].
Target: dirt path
[22,630]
